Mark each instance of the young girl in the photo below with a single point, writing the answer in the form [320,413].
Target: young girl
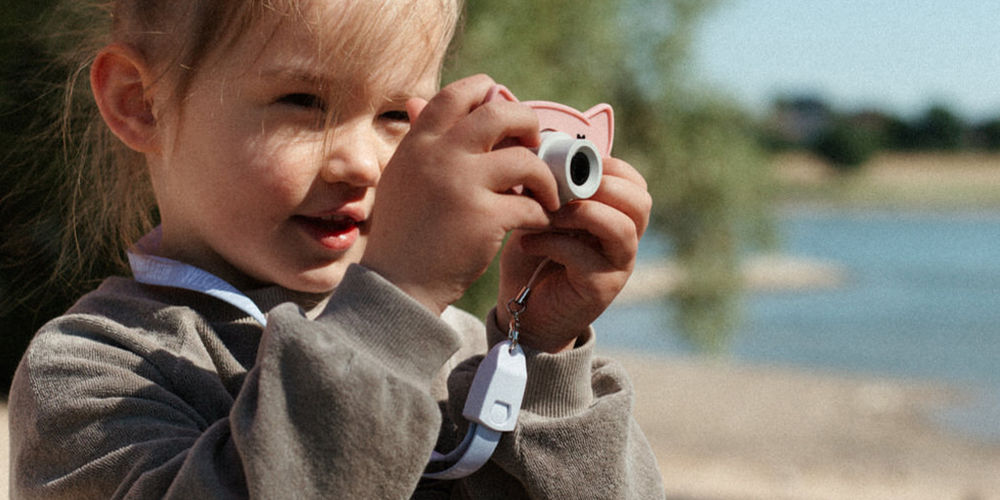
[264,128]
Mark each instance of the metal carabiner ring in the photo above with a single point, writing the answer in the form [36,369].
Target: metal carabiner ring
[512,336]
[521,300]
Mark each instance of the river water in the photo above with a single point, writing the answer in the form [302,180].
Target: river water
[921,300]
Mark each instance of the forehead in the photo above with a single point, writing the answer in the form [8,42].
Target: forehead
[361,43]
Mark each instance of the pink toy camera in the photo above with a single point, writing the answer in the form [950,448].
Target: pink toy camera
[573,143]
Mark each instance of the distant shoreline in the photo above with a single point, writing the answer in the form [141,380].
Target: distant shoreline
[893,180]
[765,272]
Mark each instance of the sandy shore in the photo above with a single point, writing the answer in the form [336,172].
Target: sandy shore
[724,431]
[922,180]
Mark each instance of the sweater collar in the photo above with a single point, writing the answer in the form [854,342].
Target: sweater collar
[150,268]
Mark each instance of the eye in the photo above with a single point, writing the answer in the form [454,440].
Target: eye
[397,115]
[303,100]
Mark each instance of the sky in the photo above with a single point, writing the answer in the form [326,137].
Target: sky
[897,55]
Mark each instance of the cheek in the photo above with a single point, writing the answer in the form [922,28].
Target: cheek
[388,149]
[279,171]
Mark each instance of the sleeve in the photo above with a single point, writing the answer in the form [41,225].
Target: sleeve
[340,407]
[575,437]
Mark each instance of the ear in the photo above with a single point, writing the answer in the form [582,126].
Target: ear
[602,119]
[121,82]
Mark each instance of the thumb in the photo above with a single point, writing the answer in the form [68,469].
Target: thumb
[414,107]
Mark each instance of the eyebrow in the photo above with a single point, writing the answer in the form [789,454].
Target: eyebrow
[295,73]
[305,75]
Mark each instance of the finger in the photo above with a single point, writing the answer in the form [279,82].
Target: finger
[627,197]
[500,123]
[518,169]
[577,253]
[615,231]
[454,102]
[414,107]
[619,168]
[519,212]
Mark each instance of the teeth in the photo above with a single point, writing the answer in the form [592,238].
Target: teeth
[335,218]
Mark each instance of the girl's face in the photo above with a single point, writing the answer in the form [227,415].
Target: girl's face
[255,182]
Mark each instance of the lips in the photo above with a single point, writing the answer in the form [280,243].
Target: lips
[336,232]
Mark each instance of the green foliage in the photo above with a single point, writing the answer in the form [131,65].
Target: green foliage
[940,129]
[847,139]
[986,135]
[706,173]
[846,145]
[711,193]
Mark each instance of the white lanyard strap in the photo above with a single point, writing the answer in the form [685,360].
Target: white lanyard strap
[494,399]
[491,407]
[160,271]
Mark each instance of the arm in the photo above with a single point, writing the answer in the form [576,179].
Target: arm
[448,197]
[576,437]
[449,181]
[338,406]
[592,246]
[363,420]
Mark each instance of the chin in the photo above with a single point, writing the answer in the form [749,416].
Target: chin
[319,280]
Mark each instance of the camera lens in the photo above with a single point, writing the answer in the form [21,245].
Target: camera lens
[579,168]
[575,163]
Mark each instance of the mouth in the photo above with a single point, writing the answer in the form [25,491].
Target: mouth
[337,231]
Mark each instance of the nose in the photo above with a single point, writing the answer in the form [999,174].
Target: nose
[354,155]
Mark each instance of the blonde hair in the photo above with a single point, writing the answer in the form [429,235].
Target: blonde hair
[109,201]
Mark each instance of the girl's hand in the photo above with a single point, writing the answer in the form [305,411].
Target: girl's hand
[592,244]
[446,199]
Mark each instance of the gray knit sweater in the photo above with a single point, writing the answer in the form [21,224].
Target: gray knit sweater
[150,392]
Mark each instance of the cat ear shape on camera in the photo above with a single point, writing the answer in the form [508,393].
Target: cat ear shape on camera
[595,124]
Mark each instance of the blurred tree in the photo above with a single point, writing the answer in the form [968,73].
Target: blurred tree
[940,129]
[796,121]
[901,135]
[848,142]
[986,135]
[706,172]
[848,138]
